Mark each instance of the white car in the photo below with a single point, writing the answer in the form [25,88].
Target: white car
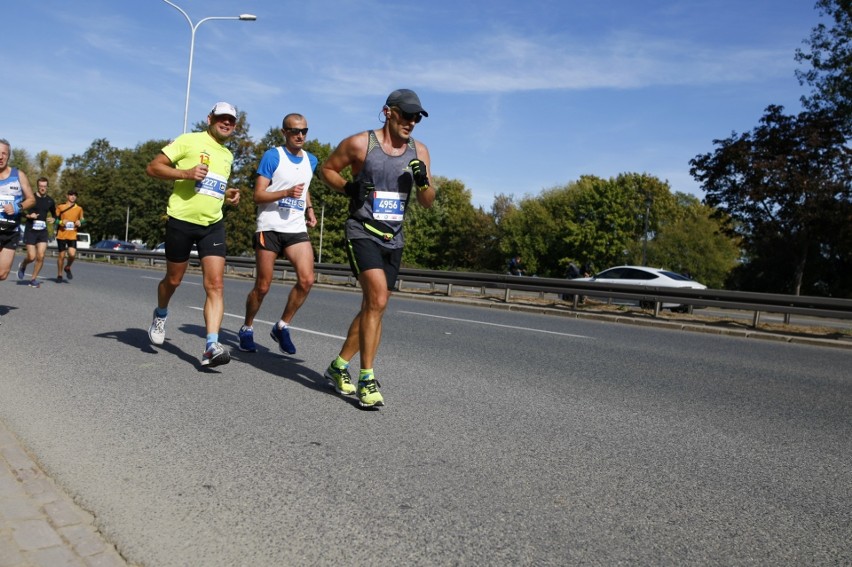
[645,276]
[161,248]
[84,241]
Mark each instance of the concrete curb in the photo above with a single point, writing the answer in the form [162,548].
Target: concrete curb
[40,526]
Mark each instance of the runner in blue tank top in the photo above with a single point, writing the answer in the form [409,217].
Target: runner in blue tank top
[389,167]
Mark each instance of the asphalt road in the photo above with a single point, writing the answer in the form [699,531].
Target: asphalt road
[508,438]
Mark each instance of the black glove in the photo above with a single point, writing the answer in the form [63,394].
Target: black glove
[418,172]
[359,190]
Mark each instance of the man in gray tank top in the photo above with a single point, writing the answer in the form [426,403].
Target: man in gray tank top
[389,168]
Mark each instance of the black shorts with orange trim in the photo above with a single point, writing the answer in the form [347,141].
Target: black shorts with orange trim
[278,241]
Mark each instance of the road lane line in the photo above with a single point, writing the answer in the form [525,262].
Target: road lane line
[242,317]
[183,282]
[497,325]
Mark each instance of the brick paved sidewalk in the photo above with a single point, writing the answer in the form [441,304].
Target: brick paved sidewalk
[40,526]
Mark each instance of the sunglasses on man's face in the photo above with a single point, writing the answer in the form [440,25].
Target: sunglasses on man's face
[294,131]
[409,116]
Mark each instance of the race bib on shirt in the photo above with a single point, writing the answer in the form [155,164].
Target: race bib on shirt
[70,225]
[6,200]
[213,185]
[388,206]
[291,203]
[39,225]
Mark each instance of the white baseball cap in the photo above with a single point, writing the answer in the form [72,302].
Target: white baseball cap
[224,108]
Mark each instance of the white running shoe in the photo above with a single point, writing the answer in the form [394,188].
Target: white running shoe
[215,355]
[157,330]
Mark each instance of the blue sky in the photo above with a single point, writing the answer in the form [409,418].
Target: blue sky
[522,96]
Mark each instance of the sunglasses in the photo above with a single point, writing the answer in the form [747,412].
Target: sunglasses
[294,131]
[409,116]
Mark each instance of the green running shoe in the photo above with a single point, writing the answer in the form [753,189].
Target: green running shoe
[368,393]
[340,379]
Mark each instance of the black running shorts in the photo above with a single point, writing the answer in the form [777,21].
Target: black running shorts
[181,235]
[278,241]
[367,254]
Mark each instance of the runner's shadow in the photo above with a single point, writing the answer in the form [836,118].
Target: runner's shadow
[138,338]
[277,364]
[4,309]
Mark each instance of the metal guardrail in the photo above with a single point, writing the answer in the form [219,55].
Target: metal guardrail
[758,303]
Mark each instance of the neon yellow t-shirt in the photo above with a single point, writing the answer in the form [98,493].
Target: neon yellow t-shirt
[199,202]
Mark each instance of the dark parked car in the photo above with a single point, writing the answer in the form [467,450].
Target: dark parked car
[114,245]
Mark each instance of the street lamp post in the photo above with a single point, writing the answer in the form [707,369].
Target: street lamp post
[645,236]
[193,27]
[322,222]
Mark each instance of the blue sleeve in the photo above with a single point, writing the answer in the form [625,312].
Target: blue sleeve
[314,161]
[268,163]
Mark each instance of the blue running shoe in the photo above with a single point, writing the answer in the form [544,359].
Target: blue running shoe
[282,337]
[246,335]
[21,272]
[35,283]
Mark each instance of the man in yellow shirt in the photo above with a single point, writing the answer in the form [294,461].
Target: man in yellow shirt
[200,165]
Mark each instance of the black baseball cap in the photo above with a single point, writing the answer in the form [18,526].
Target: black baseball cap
[407,101]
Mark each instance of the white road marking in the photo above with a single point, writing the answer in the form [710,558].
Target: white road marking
[270,323]
[497,325]
[183,282]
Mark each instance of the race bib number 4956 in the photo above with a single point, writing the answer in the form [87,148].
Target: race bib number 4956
[388,206]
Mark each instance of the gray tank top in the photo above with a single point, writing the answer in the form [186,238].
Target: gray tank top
[380,216]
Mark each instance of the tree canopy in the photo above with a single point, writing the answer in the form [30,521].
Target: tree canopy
[785,186]
[830,59]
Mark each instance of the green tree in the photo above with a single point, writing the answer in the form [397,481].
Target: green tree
[607,227]
[144,198]
[22,160]
[452,234]
[48,165]
[44,164]
[528,231]
[690,241]
[331,209]
[94,175]
[607,222]
[786,188]
[650,203]
[830,60]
